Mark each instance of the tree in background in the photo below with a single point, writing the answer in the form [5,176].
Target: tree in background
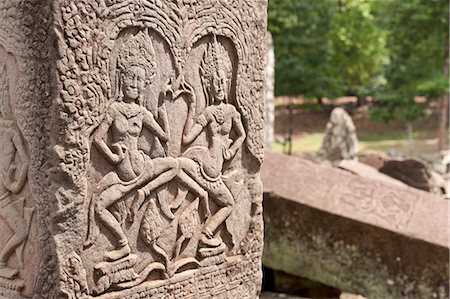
[394,50]
[417,41]
[357,48]
[326,48]
[299,30]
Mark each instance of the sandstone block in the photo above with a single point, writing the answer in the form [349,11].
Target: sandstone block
[132,138]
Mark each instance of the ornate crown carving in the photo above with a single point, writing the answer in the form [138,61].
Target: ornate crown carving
[214,59]
[138,50]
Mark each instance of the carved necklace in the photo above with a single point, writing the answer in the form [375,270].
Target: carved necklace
[219,114]
[129,110]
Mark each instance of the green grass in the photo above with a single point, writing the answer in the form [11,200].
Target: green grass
[395,135]
[423,144]
[308,143]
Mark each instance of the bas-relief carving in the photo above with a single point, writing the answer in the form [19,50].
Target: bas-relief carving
[169,141]
[135,176]
[15,213]
[393,206]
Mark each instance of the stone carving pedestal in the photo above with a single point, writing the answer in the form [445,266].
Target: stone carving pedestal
[132,139]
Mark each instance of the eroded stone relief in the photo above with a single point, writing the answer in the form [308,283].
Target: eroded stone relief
[14,163]
[26,51]
[392,207]
[161,125]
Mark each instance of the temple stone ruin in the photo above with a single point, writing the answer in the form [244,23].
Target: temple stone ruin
[364,235]
[340,141]
[132,139]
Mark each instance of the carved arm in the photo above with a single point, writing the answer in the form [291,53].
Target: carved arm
[240,132]
[162,114]
[18,184]
[151,124]
[191,130]
[101,145]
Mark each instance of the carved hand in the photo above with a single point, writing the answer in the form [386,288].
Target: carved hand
[228,154]
[117,158]
[10,181]
[189,90]
[168,88]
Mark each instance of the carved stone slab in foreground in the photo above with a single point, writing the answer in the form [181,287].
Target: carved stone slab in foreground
[358,234]
[132,138]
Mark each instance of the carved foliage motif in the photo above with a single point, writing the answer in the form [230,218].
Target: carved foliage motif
[161,137]
[394,207]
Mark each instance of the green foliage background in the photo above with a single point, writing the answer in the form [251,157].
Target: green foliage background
[393,50]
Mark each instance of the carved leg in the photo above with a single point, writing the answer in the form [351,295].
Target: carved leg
[164,170]
[103,202]
[181,196]
[152,185]
[191,184]
[17,224]
[188,170]
[222,196]
[166,258]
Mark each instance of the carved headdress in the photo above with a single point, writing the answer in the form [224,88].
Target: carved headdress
[214,59]
[137,50]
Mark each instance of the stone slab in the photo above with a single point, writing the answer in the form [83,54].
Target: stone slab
[353,233]
[368,172]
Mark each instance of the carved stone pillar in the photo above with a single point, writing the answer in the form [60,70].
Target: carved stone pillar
[132,136]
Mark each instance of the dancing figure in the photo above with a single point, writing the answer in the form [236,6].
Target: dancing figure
[219,119]
[14,162]
[125,119]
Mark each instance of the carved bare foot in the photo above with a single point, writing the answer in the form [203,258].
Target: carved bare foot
[208,239]
[7,272]
[115,255]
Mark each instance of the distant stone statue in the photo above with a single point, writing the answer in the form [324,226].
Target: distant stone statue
[340,141]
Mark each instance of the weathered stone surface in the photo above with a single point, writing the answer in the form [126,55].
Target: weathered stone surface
[340,141]
[368,172]
[415,174]
[350,296]
[269,295]
[132,138]
[25,101]
[366,237]
[374,159]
